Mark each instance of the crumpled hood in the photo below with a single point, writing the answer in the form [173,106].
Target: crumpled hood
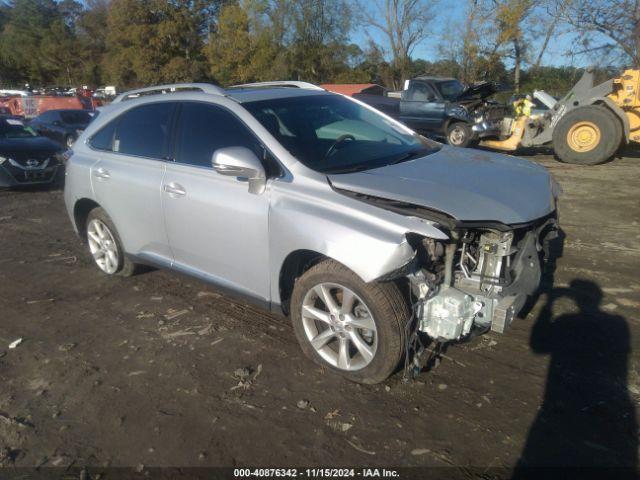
[469,185]
[480,90]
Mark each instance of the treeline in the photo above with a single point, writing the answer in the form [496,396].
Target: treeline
[131,43]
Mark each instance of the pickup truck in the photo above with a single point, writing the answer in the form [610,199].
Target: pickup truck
[444,107]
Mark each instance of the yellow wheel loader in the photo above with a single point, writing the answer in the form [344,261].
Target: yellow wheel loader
[586,127]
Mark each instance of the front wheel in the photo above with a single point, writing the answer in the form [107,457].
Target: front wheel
[351,327]
[459,134]
[587,135]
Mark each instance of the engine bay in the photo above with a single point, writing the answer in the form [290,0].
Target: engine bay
[478,281]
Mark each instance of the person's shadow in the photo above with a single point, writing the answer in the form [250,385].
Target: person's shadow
[587,419]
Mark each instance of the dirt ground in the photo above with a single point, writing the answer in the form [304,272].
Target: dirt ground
[160,370]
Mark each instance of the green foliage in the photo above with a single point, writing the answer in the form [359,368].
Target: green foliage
[130,43]
[153,41]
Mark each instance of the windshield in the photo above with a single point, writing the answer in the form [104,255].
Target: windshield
[13,128]
[331,134]
[75,118]
[450,89]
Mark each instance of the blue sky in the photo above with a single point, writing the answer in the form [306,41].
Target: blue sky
[451,12]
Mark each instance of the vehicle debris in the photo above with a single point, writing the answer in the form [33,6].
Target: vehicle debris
[173,313]
[32,302]
[355,443]
[339,426]
[420,451]
[243,375]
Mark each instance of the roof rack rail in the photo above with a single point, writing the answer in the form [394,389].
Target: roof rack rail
[283,83]
[171,87]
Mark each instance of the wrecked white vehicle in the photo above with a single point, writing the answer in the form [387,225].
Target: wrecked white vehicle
[315,206]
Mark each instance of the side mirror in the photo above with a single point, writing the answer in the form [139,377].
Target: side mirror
[242,163]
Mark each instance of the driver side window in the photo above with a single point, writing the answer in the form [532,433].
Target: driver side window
[204,128]
[421,92]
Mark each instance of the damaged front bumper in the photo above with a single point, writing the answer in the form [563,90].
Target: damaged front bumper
[487,278]
[487,128]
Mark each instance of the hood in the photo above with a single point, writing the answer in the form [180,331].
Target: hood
[480,90]
[36,146]
[468,185]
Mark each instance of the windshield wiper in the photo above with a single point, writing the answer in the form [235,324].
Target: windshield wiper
[403,158]
[355,168]
[409,156]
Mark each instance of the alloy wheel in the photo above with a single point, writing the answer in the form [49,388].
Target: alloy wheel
[339,326]
[103,246]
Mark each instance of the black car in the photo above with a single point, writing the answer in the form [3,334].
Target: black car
[25,157]
[63,126]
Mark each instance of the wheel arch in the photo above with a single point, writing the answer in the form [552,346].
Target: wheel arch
[294,266]
[81,210]
[450,120]
[617,112]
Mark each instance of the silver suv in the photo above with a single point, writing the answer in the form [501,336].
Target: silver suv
[314,205]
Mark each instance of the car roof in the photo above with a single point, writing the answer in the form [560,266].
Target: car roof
[434,79]
[255,94]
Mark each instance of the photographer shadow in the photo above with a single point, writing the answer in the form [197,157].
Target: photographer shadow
[587,419]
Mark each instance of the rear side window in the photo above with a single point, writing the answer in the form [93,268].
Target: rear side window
[144,131]
[204,128]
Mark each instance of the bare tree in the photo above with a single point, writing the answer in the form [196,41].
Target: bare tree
[607,27]
[555,12]
[404,23]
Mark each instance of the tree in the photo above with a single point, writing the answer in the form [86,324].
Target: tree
[609,27]
[405,24]
[470,48]
[91,31]
[25,29]
[239,51]
[510,17]
[155,41]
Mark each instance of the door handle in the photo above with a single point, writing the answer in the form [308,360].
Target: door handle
[174,189]
[102,174]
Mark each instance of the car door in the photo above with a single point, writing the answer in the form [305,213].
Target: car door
[421,108]
[217,230]
[127,177]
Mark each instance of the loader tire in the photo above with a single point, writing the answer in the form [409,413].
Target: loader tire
[587,135]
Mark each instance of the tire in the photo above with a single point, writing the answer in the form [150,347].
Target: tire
[587,135]
[378,305]
[459,134]
[109,242]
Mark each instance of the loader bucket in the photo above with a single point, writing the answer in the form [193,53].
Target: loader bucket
[510,144]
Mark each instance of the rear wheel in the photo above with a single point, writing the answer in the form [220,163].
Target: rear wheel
[459,134]
[587,135]
[351,327]
[105,245]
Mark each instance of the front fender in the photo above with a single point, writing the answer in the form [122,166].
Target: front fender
[368,240]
